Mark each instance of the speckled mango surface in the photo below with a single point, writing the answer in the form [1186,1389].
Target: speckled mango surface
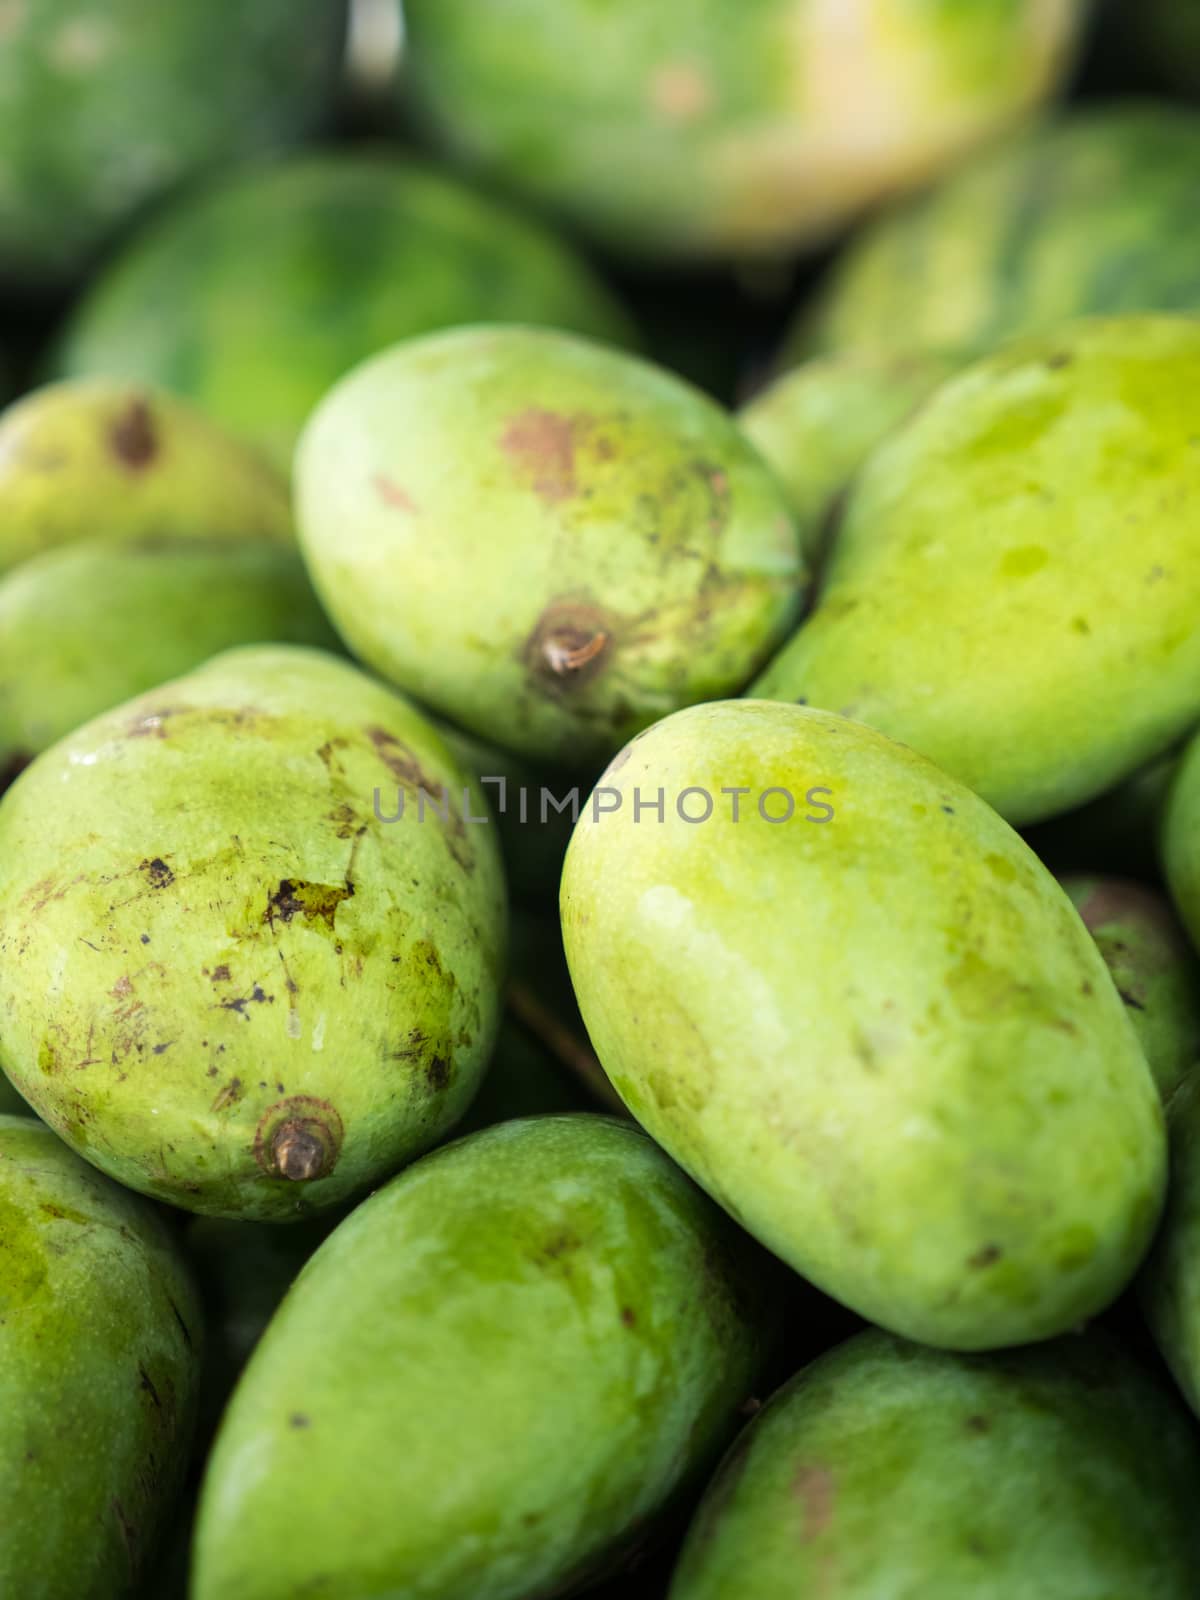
[1014,585]
[225,977]
[489,1380]
[887,1470]
[100,1345]
[883,1039]
[551,542]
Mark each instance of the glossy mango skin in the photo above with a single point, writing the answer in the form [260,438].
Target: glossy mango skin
[1153,966]
[223,979]
[884,1469]
[100,1345]
[817,424]
[882,1039]
[1169,1287]
[87,626]
[95,457]
[1037,522]
[549,541]
[489,1379]
[695,128]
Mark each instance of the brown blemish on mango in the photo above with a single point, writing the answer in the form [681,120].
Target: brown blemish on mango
[392,494]
[541,445]
[133,438]
[571,645]
[299,1139]
[314,902]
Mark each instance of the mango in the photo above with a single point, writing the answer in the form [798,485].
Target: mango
[1153,966]
[866,1019]
[100,1343]
[701,128]
[490,1379]
[552,543]
[234,973]
[1036,524]
[887,1470]
[93,456]
[125,618]
[816,425]
[1169,1287]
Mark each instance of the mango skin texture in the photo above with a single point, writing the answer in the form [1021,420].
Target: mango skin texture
[1038,522]
[1153,966]
[1169,1287]
[224,980]
[552,543]
[885,1043]
[488,1379]
[887,1470]
[126,618]
[100,1344]
[93,457]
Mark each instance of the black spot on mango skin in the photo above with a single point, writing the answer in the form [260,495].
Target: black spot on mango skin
[314,902]
[438,1073]
[986,1257]
[133,438]
[158,873]
[256,997]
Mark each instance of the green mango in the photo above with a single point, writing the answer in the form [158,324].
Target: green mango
[551,542]
[232,975]
[1089,213]
[489,1380]
[706,128]
[256,294]
[125,618]
[95,457]
[1036,524]
[816,425]
[1169,1288]
[872,1027]
[1153,966]
[105,107]
[887,1470]
[100,1343]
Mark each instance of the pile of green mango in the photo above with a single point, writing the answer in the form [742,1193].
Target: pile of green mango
[599,972]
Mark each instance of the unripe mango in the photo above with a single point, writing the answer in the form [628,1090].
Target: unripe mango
[489,1380]
[1153,966]
[550,542]
[884,1470]
[1170,1285]
[100,1343]
[229,977]
[87,626]
[867,1020]
[1036,524]
[91,456]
